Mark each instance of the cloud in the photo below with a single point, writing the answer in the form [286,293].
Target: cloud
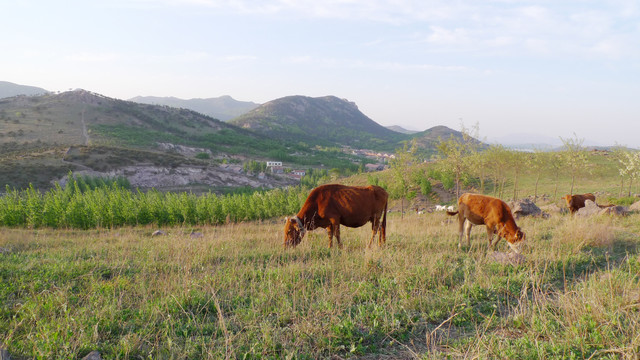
[92,57]
[236,58]
[389,66]
[440,36]
[606,29]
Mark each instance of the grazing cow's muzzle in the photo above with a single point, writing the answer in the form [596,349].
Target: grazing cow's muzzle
[293,232]
[518,241]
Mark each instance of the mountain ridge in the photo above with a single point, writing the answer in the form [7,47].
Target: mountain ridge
[223,107]
[9,89]
[326,120]
[115,134]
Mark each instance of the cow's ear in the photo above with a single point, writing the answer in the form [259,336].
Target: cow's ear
[286,218]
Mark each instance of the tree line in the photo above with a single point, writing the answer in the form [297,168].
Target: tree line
[461,162]
[465,161]
[111,205]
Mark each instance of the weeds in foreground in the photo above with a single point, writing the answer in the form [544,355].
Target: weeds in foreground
[235,293]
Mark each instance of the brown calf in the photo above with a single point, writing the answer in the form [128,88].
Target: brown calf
[575,202]
[475,209]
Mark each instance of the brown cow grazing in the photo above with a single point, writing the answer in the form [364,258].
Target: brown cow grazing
[575,202]
[475,209]
[329,206]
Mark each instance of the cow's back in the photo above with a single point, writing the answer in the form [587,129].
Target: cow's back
[354,205]
[484,209]
[357,205]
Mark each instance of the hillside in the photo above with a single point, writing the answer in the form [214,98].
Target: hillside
[84,118]
[158,146]
[401,130]
[8,89]
[121,137]
[429,138]
[38,131]
[327,121]
[223,108]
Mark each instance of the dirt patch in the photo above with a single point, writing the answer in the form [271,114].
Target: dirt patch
[507,258]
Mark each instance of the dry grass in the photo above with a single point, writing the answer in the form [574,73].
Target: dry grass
[235,292]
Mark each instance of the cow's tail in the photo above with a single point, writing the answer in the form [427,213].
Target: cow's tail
[451,213]
[383,229]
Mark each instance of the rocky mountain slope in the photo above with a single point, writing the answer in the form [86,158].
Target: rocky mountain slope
[324,120]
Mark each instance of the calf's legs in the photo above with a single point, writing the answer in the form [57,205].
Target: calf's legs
[490,238]
[334,230]
[376,226]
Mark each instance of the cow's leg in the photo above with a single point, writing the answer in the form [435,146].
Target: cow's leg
[467,232]
[334,230]
[461,221]
[490,237]
[374,230]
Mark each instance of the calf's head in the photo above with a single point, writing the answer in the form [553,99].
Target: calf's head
[517,240]
[293,231]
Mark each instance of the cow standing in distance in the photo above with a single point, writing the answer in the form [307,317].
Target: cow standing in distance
[577,201]
[475,209]
[332,205]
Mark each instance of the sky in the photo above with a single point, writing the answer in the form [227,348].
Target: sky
[517,70]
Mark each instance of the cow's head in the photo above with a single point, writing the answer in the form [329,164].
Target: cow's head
[293,231]
[568,199]
[517,240]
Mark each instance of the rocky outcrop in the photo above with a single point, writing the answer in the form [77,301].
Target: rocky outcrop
[524,207]
[146,177]
[553,209]
[614,210]
[183,150]
[591,208]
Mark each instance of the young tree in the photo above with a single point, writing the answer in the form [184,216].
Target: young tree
[575,157]
[537,164]
[479,164]
[629,166]
[421,179]
[497,160]
[517,162]
[555,164]
[456,153]
[401,165]
[618,154]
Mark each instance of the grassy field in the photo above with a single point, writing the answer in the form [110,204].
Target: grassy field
[234,292]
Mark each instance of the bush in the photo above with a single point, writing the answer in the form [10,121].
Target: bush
[425,186]
[448,181]
[623,201]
